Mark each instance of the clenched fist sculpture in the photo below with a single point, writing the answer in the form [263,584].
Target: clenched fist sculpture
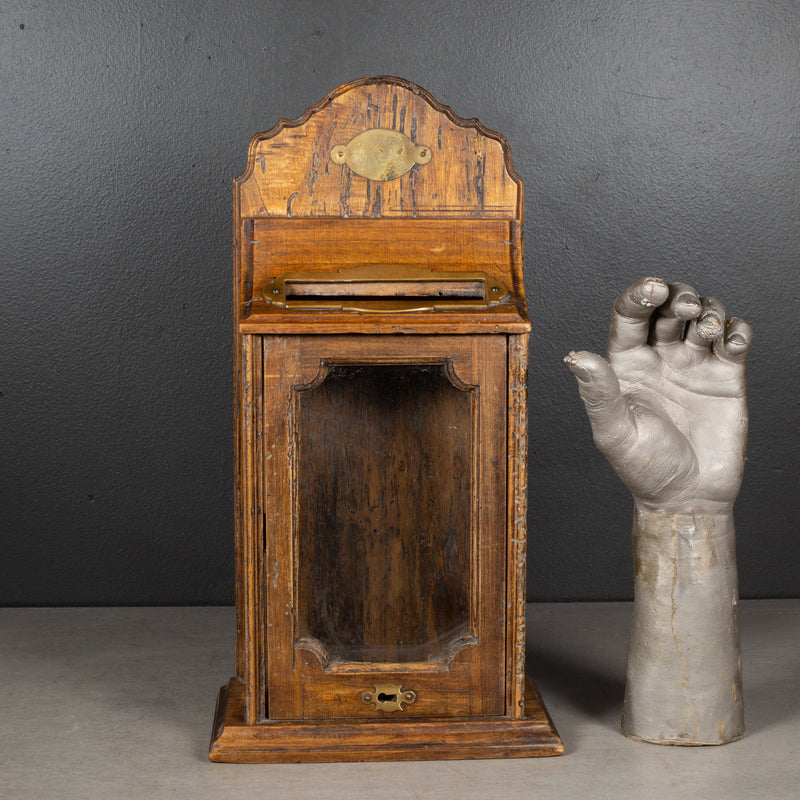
[668,410]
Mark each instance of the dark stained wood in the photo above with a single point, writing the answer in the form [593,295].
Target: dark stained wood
[282,245]
[383,508]
[503,320]
[517,510]
[250,651]
[477,361]
[274,247]
[232,740]
[278,246]
[380,453]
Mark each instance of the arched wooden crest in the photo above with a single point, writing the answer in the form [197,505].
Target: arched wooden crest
[294,171]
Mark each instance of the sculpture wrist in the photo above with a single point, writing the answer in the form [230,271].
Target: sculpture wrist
[682,508]
[684,667]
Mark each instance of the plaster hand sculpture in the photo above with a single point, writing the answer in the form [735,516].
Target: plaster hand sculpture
[668,411]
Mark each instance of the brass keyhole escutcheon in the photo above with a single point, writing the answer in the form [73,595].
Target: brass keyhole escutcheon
[389,697]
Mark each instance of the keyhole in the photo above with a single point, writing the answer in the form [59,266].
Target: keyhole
[389,697]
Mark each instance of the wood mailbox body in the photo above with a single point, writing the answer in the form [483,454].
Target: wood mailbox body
[381,358]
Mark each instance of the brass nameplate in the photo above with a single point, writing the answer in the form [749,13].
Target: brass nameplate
[380,154]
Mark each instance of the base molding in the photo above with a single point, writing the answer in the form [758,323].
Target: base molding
[417,739]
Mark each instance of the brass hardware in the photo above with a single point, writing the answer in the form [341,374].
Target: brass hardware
[380,154]
[389,697]
[385,288]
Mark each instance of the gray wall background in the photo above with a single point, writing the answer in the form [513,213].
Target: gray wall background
[653,137]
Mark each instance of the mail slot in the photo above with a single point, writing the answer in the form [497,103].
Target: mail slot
[379,289]
[385,288]
[380,349]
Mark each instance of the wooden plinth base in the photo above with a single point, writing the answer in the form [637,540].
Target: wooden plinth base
[419,739]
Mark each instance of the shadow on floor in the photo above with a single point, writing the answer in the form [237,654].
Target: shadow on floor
[588,689]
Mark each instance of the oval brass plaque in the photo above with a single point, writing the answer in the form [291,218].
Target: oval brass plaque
[380,154]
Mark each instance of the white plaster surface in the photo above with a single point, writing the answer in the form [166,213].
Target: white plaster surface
[118,703]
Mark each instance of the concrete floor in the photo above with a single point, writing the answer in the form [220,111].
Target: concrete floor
[117,703]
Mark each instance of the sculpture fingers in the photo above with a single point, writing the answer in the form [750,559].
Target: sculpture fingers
[633,308]
[735,343]
[612,423]
[683,303]
[708,326]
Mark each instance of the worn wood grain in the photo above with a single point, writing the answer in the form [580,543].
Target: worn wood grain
[383,509]
[517,510]
[385,499]
[294,208]
[232,740]
[281,245]
[380,453]
[290,172]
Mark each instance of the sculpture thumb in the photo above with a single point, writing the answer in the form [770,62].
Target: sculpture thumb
[608,412]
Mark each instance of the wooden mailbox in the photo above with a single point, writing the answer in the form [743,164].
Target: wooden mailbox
[381,358]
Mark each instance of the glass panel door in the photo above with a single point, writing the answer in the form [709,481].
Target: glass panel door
[384,481]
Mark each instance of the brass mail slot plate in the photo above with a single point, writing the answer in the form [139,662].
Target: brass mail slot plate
[386,288]
[472,290]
